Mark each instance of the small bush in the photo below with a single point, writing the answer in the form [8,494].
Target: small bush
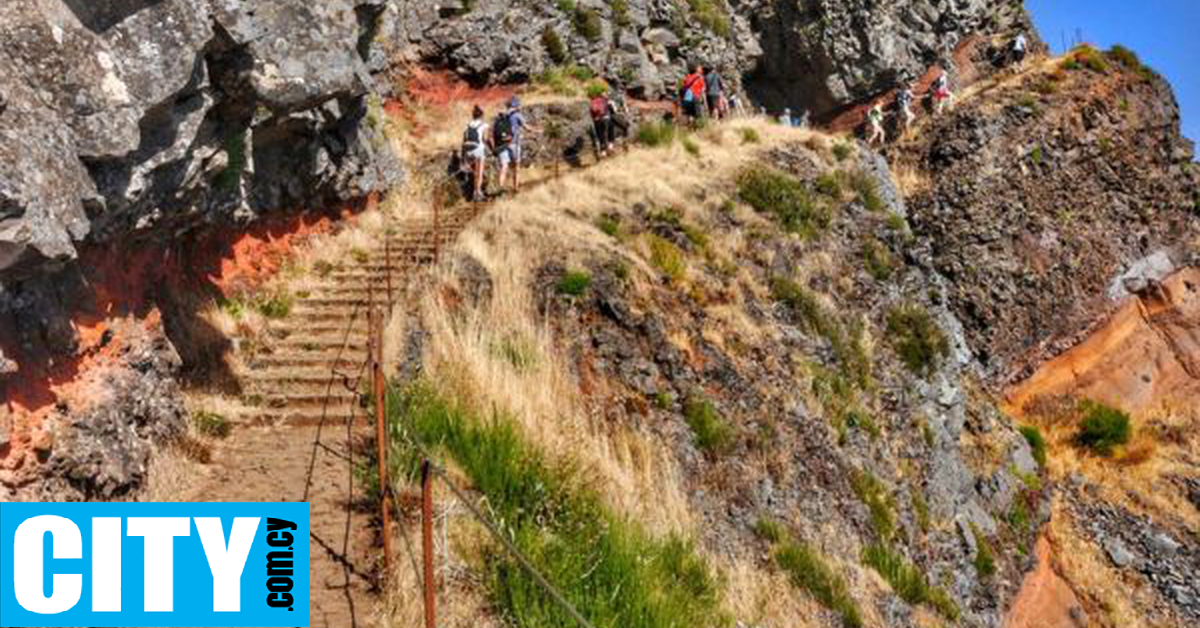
[211,424]
[830,185]
[785,197]
[278,305]
[691,147]
[574,283]
[1037,444]
[808,570]
[710,14]
[878,260]
[597,88]
[907,580]
[867,189]
[588,23]
[1128,59]
[1103,428]
[842,151]
[610,225]
[875,497]
[554,46]
[713,433]
[1090,58]
[667,257]
[654,134]
[917,339]
[985,559]
[750,136]
[769,530]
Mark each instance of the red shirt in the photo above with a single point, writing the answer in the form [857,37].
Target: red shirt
[696,81]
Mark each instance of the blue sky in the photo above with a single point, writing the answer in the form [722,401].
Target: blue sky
[1164,33]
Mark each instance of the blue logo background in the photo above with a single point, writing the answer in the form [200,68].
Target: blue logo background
[193,594]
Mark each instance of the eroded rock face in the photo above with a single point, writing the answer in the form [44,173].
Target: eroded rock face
[818,55]
[129,123]
[1051,201]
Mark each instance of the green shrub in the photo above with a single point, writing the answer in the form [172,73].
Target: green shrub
[588,23]
[785,197]
[711,15]
[874,496]
[878,260]
[566,6]
[1036,155]
[830,185]
[581,73]
[667,257]
[985,559]
[620,13]
[1090,58]
[713,433]
[518,351]
[807,570]
[211,424]
[750,136]
[1129,59]
[554,46]
[907,580]
[278,305]
[574,283]
[769,530]
[867,189]
[610,225]
[608,566]
[597,88]
[842,151]
[921,512]
[845,341]
[1037,444]
[691,147]
[654,134]
[917,339]
[1103,428]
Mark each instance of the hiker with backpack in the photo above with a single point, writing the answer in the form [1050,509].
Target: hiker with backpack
[475,147]
[714,90]
[942,96]
[875,124]
[619,110]
[692,95]
[601,111]
[1018,49]
[506,138]
[904,103]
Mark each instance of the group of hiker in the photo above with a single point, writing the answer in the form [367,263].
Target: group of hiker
[702,94]
[501,138]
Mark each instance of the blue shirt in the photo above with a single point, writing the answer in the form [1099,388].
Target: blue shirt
[518,123]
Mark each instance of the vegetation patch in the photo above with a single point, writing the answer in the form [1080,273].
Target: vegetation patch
[211,424]
[750,136]
[517,351]
[554,46]
[277,305]
[711,15]
[866,190]
[655,134]
[667,257]
[1102,428]
[588,23]
[610,568]
[785,197]
[917,339]
[1130,60]
[1037,443]
[874,496]
[908,581]
[878,259]
[574,283]
[609,225]
[985,558]
[807,569]
[842,151]
[691,147]
[713,433]
[1088,57]
[844,340]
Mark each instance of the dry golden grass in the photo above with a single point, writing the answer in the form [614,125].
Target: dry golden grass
[170,476]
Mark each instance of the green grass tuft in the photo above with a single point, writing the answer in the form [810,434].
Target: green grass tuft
[769,530]
[985,558]
[750,136]
[667,258]
[808,570]
[574,283]
[1037,444]
[613,570]
[785,197]
[867,191]
[878,259]
[211,424]
[655,134]
[842,151]
[554,46]
[1103,428]
[908,581]
[278,305]
[917,339]
[713,433]
[609,225]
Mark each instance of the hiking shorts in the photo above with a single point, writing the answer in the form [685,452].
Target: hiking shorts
[510,154]
[475,153]
[691,108]
[714,103]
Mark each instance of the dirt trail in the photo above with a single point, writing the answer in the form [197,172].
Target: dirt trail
[297,440]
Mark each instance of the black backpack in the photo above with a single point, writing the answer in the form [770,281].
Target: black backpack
[472,137]
[502,130]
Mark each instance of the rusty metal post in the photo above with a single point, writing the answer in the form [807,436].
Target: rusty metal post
[381,438]
[427,543]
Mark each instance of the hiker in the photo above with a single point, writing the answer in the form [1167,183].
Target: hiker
[618,109]
[904,103]
[942,96]
[475,147]
[601,110]
[506,138]
[691,95]
[714,88]
[1018,50]
[735,106]
[786,118]
[875,123]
